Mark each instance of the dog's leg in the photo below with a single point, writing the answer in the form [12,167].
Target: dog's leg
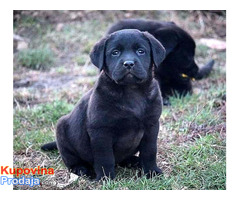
[75,164]
[69,156]
[148,150]
[104,161]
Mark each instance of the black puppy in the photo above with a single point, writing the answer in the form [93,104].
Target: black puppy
[178,69]
[120,115]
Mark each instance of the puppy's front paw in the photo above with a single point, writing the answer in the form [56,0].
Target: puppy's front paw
[154,172]
[82,171]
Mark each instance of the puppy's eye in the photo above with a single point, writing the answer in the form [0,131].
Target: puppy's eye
[115,52]
[140,51]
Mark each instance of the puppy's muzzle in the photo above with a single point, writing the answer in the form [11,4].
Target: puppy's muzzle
[129,64]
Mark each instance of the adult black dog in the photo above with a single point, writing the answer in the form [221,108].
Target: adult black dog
[120,115]
[178,69]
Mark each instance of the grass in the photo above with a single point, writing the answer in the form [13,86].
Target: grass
[202,164]
[192,136]
[38,59]
[35,126]
[197,166]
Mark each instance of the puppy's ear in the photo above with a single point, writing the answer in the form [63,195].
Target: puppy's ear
[97,54]
[158,51]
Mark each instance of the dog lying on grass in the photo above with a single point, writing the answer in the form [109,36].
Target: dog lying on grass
[119,116]
[178,69]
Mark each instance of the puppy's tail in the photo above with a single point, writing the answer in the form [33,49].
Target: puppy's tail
[205,70]
[49,146]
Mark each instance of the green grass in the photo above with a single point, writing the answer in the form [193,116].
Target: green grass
[35,126]
[201,165]
[194,110]
[39,58]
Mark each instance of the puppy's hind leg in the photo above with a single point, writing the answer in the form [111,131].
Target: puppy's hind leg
[70,157]
[75,164]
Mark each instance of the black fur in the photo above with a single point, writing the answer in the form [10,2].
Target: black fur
[179,68]
[120,115]
[49,146]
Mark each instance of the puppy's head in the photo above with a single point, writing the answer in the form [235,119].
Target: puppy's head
[127,56]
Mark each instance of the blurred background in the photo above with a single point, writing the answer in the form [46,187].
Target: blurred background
[51,48]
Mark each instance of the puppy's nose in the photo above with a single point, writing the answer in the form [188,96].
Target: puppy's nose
[128,64]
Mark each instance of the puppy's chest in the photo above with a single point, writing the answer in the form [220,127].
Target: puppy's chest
[132,106]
